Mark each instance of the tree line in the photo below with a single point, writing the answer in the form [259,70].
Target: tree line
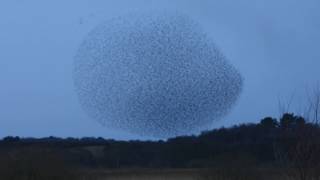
[250,144]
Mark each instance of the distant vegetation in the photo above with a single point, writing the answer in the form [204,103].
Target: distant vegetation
[290,144]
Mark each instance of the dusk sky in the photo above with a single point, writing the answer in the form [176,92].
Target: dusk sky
[273,43]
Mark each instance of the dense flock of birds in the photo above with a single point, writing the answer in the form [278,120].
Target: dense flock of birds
[155,74]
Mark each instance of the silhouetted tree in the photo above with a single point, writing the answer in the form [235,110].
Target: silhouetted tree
[269,123]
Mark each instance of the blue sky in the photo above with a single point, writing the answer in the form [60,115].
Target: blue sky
[274,44]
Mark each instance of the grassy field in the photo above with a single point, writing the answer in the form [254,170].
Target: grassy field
[181,174]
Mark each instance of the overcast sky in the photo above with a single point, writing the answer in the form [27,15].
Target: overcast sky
[274,44]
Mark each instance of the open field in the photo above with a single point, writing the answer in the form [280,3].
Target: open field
[182,174]
[142,174]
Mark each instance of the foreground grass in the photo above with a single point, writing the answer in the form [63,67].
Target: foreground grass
[182,174]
